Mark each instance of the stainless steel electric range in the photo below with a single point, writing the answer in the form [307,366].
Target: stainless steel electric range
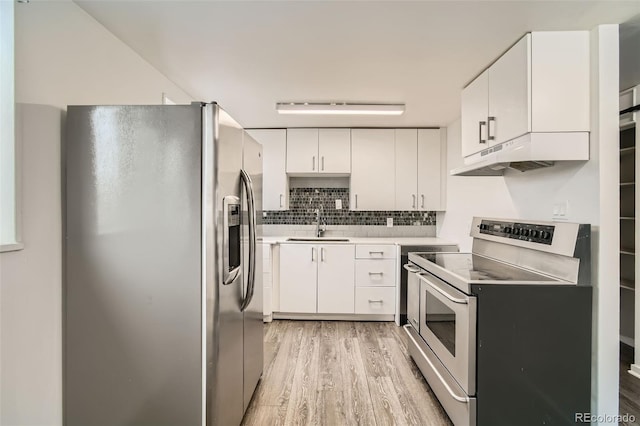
[503,334]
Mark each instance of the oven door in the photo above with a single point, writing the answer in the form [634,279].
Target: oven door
[413,296]
[448,326]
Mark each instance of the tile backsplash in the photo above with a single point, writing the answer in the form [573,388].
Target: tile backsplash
[303,203]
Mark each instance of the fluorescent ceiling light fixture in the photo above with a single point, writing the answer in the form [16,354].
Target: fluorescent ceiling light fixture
[339,108]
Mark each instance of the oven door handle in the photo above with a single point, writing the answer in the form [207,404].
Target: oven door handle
[421,275]
[410,268]
[464,399]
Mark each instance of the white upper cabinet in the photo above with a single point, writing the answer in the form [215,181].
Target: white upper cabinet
[430,171]
[541,84]
[475,111]
[319,151]
[372,169]
[418,169]
[509,80]
[302,151]
[406,169]
[275,186]
[334,151]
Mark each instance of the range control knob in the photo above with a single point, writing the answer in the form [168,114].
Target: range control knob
[545,235]
[507,230]
[524,232]
[516,231]
[534,233]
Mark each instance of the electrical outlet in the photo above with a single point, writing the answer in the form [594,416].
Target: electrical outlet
[338,204]
[561,210]
[389,222]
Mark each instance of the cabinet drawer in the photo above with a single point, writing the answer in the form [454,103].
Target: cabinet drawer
[375,300]
[379,272]
[375,252]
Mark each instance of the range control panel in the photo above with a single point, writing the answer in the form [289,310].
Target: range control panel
[542,234]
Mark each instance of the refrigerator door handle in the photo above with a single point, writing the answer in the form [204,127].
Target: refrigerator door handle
[251,207]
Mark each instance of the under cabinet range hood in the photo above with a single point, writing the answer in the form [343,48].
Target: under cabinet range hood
[527,152]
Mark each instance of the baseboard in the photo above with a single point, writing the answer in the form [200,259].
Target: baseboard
[635,370]
[627,341]
[332,317]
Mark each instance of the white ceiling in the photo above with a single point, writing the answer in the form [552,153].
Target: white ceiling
[249,55]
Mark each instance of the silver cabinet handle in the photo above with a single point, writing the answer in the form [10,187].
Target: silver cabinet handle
[463,399]
[323,162]
[411,268]
[374,252]
[251,207]
[356,201]
[413,205]
[489,120]
[322,254]
[454,299]
[313,254]
[313,163]
[422,196]
[281,196]
[376,273]
[481,123]
[376,301]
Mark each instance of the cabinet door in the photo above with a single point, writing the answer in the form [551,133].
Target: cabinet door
[372,169]
[275,186]
[510,93]
[429,170]
[334,150]
[475,110]
[336,279]
[302,150]
[298,276]
[406,149]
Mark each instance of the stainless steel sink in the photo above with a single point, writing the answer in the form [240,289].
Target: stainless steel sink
[335,240]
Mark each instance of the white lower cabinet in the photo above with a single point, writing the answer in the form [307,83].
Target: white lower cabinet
[378,272]
[335,279]
[330,279]
[298,278]
[267,281]
[376,300]
[317,278]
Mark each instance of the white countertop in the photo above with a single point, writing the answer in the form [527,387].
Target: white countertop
[406,241]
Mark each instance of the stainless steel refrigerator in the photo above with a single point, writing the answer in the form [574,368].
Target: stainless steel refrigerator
[163,274]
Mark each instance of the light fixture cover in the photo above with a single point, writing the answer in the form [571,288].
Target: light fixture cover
[331,108]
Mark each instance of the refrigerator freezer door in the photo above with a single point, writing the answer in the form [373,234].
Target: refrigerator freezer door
[253,321]
[225,322]
[132,262]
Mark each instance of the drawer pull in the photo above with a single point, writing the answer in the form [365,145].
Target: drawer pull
[376,252]
[376,301]
[376,273]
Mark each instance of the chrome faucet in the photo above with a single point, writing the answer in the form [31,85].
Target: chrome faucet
[321,224]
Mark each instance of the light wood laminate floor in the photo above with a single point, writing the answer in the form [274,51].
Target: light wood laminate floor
[340,373]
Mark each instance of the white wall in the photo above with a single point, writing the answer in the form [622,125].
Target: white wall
[590,188]
[63,56]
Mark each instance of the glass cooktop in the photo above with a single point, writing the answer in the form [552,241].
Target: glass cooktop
[472,267]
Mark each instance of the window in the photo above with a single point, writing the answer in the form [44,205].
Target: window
[9,229]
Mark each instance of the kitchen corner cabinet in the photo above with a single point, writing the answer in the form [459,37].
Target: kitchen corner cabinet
[318,151]
[372,169]
[275,189]
[418,169]
[317,278]
[541,84]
